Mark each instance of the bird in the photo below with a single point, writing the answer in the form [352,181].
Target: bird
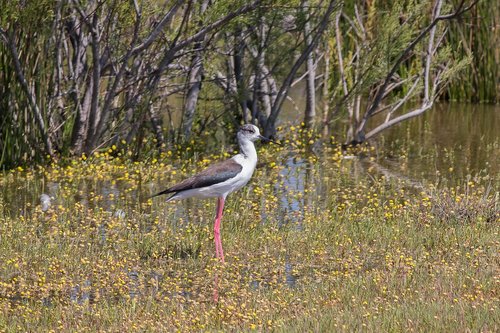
[45,201]
[221,179]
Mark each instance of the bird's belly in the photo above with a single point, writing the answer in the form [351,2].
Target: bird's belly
[228,186]
[224,188]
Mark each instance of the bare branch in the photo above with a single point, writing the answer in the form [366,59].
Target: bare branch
[378,97]
[316,63]
[269,126]
[339,55]
[217,24]
[112,91]
[428,100]
[158,29]
[403,100]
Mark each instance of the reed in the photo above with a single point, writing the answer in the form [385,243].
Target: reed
[477,34]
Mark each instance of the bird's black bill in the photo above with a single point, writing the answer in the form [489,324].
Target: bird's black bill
[263,138]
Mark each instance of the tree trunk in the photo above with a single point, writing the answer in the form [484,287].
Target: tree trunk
[195,78]
[192,94]
[310,112]
[242,93]
[79,134]
[95,110]
[269,129]
[326,89]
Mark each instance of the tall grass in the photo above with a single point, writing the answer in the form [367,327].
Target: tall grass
[477,33]
[20,138]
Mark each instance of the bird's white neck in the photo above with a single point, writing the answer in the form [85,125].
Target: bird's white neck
[247,149]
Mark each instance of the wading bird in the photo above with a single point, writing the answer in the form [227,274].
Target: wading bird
[220,179]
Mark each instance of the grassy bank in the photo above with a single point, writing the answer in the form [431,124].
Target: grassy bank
[313,243]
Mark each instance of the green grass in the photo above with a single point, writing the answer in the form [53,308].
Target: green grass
[354,252]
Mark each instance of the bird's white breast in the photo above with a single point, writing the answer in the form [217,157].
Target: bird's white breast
[248,164]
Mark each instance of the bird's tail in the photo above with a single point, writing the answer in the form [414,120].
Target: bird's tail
[167,191]
[161,193]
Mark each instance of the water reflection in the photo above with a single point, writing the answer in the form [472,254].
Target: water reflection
[133,285]
[290,278]
[293,178]
[83,294]
[102,233]
[445,144]
[155,283]
[45,201]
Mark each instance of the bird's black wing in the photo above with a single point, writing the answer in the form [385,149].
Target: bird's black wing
[214,174]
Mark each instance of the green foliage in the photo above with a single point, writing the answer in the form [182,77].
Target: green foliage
[470,36]
[33,15]
[30,23]
[60,93]
[456,68]
[390,28]
[387,38]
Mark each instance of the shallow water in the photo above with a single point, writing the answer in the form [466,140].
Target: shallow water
[449,145]
[465,137]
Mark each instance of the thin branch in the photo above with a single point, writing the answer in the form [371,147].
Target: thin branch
[339,55]
[378,97]
[286,83]
[316,63]
[112,91]
[217,24]
[9,40]
[428,100]
[403,100]
[158,29]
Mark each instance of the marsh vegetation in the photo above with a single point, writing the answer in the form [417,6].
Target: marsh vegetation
[315,242]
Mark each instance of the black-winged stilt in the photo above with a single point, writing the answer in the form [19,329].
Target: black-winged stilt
[220,179]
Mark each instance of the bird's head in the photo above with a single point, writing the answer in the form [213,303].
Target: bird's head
[250,132]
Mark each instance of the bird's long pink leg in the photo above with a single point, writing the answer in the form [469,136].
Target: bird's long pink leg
[218,244]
